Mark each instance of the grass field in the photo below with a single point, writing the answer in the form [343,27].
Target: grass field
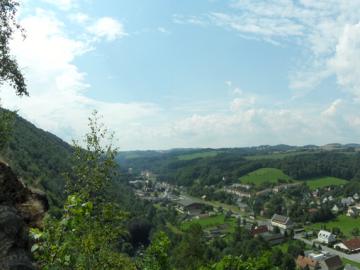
[345,223]
[198,155]
[325,182]
[264,175]
[347,261]
[210,222]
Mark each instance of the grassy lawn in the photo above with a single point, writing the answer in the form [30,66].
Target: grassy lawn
[198,155]
[324,182]
[345,223]
[264,175]
[209,222]
[346,261]
[173,228]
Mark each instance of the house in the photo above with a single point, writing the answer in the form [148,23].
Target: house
[285,187]
[347,201]
[303,262]
[331,263]
[259,230]
[351,246]
[273,238]
[335,209]
[194,209]
[243,206]
[281,222]
[326,237]
[353,211]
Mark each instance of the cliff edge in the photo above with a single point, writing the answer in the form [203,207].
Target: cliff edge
[20,208]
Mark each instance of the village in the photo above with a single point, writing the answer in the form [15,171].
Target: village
[327,247]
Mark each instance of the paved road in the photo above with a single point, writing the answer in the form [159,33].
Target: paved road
[352,257]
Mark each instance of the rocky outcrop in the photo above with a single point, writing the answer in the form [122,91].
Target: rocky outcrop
[20,208]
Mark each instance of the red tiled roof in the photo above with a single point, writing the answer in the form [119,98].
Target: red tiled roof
[259,230]
[352,244]
[302,262]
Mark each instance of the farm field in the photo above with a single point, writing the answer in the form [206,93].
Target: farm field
[324,182]
[209,222]
[198,155]
[264,175]
[345,223]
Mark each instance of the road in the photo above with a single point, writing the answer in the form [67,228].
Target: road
[352,257]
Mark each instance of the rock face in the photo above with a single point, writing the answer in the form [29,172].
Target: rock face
[20,208]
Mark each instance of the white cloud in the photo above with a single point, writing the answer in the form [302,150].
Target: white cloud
[58,101]
[62,4]
[195,20]
[327,31]
[345,63]
[107,28]
[163,30]
[79,17]
[333,108]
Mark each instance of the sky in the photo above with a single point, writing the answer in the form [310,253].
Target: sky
[207,73]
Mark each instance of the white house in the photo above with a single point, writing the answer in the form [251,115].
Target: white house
[326,237]
[335,209]
[347,201]
[353,211]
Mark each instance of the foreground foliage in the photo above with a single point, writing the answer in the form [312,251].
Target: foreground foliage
[89,234]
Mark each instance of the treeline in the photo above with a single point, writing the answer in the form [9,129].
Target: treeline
[231,166]
[307,166]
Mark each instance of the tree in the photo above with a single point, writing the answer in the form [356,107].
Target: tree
[156,255]
[276,257]
[9,69]
[288,262]
[190,253]
[7,119]
[92,226]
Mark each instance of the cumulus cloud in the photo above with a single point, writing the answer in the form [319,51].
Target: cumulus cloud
[327,31]
[79,17]
[345,63]
[107,28]
[62,4]
[58,101]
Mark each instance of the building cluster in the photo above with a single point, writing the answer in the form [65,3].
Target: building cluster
[319,261]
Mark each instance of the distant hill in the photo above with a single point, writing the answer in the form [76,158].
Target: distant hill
[39,158]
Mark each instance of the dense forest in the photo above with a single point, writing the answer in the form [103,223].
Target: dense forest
[234,163]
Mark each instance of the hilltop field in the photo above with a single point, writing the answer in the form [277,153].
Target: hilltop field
[265,175]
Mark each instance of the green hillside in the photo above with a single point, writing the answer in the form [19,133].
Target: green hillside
[39,158]
[264,175]
[196,155]
[325,182]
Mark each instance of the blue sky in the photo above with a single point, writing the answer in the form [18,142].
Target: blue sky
[205,73]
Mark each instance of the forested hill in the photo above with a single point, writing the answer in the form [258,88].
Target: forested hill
[39,158]
[209,166]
